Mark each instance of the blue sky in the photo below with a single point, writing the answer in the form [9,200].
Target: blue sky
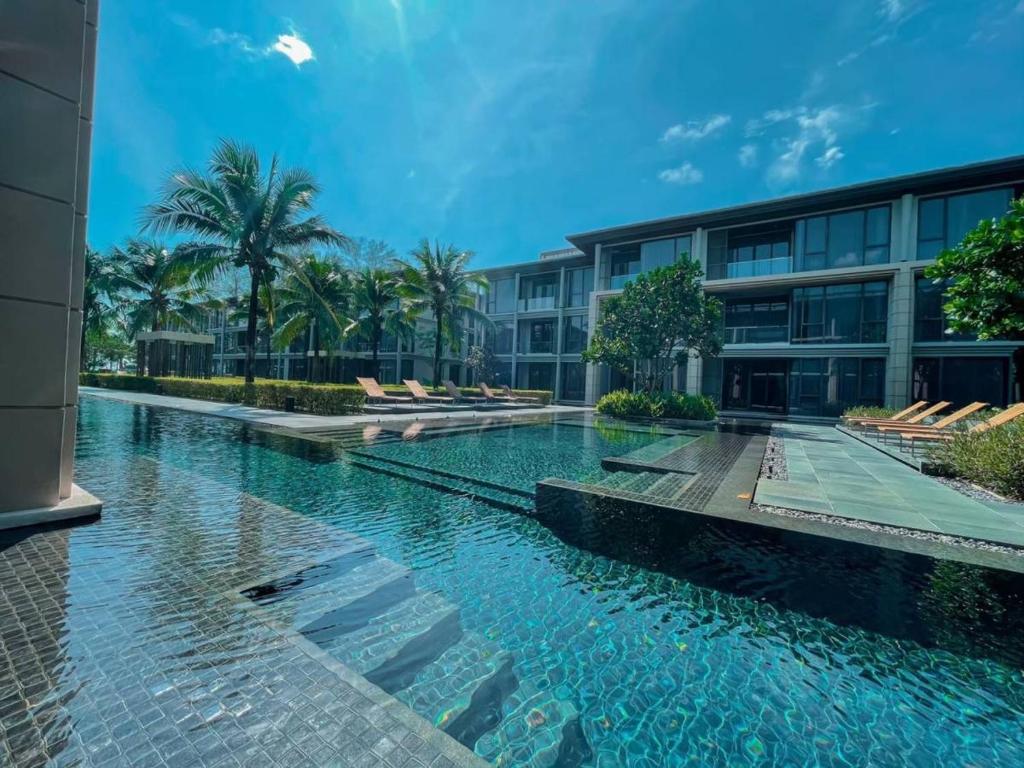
[504,126]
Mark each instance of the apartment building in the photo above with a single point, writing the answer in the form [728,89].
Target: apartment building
[825,302]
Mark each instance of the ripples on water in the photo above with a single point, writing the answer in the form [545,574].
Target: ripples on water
[729,650]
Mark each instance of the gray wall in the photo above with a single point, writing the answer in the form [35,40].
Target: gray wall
[47,68]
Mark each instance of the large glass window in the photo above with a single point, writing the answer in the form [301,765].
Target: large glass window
[942,222]
[854,313]
[501,296]
[579,284]
[574,381]
[500,337]
[929,317]
[749,252]
[757,321]
[847,239]
[536,376]
[537,336]
[538,292]
[663,253]
[622,264]
[574,340]
[502,374]
[828,386]
[961,380]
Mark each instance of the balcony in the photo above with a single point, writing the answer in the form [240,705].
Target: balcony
[781,265]
[538,303]
[618,282]
[757,334]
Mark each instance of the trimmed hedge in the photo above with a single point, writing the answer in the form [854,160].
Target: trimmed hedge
[993,459]
[322,399]
[869,412]
[659,405]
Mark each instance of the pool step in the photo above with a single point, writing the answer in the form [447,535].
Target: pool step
[665,486]
[538,731]
[307,605]
[512,501]
[444,690]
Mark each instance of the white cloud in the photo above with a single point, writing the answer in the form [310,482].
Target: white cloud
[293,47]
[892,10]
[695,130]
[684,175]
[747,155]
[830,157]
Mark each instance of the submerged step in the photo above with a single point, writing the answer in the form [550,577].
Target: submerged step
[539,731]
[401,669]
[359,612]
[485,709]
[311,577]
[444,689]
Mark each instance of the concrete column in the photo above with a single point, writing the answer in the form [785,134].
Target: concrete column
[47,66]
[590,377]
[900,334]
[694,374]
[700,248]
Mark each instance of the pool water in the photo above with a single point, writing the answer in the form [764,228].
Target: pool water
[737,653]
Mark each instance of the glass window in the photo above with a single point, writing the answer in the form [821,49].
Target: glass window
[579,284]
[929,316]
[536,376]
[828,386]
[501,296]
[757,321]
[961,380]
[758,251]
[874,312]
[537,336]
[841,314]
[846,239]
[500,337]
[575,338]
[574,381]
[942,222]
[840,240]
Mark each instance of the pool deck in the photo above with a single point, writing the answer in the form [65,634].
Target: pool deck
[114,654]
[833,473]
[306,421]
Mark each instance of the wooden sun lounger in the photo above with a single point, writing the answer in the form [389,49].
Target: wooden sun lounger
[901,416]
[941,424]
[374,392]
[1003,417]
[490,394]
[458,397]
[869,423]
[517,398]
[419,393]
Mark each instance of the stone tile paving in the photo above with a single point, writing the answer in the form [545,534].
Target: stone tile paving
[125,642]
[832,473]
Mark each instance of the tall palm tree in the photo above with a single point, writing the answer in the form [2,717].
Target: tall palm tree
[159,286]
[312,299]
[437,282]
[377,310]
[242,217]
[100,298]
[267,316]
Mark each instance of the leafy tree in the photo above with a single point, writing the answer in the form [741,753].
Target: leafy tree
[108,344]
[100,299]
[985,276]
[437,282]
[364,253]
[158,286]
[483,361]
[313,299]
[242,217]
[653,323]
[377,310]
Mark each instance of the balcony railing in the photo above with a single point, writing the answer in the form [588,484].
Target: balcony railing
[757,334]
[537,303]
[526,347]
[616,282]
[759,267]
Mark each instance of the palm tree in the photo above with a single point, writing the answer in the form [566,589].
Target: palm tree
[266,319]
[312,299]
[242,217]
[100,298]
[160,287]
[377,310]
[437,282]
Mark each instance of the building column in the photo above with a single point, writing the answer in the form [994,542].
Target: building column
[47,65]
[900,333]
[694,374]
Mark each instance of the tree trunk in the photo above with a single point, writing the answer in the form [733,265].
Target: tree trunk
[316,352]
[250,328]
[375,344]
[437,353]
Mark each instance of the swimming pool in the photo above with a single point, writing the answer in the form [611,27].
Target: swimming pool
[534,652]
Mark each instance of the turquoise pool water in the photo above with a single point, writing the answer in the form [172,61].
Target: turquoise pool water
[735,652]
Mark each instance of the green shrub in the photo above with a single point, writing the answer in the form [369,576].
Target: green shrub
[660,405]
[869,412]
[322,399]
[993,459]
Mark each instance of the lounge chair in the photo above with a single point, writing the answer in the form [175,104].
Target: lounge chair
[920,417]
[458,397]
[939,425]
[906,413]
[421,395]
[375,394]
[517,398]
[493,396]
[915,437]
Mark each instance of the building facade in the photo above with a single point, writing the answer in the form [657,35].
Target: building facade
[825,302]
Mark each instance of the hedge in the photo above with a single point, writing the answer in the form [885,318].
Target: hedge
[993,459]
[658,405]
[322,399]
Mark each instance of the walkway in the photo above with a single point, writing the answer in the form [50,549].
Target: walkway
[834,474]
[300,421]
